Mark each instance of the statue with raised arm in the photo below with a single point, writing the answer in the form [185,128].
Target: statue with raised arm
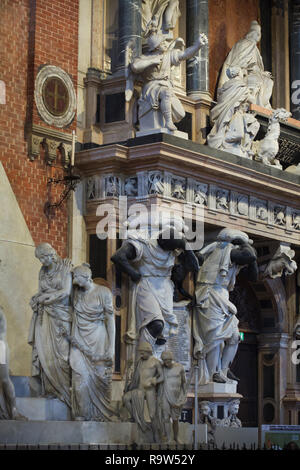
[143,387]
[92,348]
[8,407]
[216,332]
[51,312]
[172,395]
[245,54]
[159,107]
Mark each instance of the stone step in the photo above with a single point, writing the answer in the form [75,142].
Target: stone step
[43,409]
[91,433]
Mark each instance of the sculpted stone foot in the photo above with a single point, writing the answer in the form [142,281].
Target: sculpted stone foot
[218,378]
[232,376]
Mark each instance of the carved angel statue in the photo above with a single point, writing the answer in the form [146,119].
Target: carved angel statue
[159,107]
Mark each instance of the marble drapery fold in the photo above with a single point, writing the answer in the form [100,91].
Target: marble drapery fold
[50,360]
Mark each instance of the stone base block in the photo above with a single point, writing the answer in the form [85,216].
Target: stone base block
[163,130]
[88,432]
[236,436]
[42,409]
[213,387]
[26,386]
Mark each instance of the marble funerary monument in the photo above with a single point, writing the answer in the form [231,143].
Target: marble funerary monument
[155,336]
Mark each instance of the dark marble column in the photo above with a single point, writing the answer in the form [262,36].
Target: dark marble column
[197,68]
[130,26]
[295,58]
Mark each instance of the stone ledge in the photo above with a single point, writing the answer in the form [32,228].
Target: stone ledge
[84,432]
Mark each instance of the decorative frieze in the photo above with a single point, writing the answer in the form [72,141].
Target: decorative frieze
[196,193]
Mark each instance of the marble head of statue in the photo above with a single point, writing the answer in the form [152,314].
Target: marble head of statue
[46,254]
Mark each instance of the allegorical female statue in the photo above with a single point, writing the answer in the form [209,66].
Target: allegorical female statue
[51,312]
[216,332]
[245,54]
[92,348]
[234,128]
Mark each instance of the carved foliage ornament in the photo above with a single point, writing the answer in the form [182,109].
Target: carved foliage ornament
[55,96]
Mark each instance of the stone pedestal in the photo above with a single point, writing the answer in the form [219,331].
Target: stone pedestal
[220,395]
[163,130]
[43,409]
[84,432]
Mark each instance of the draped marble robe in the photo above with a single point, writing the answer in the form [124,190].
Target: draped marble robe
[50,354]
[245,54]
[92,352]
[228,117]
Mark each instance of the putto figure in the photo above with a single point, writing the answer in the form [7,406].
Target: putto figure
[172,395]
[143,387]
[216,332]
[8,407]
[159,107]
[92,351]
[51,312]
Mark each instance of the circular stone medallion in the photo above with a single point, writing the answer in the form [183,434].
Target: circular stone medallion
[55,96]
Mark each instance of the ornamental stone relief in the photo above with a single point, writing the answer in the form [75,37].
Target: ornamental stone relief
[197,193]
[55,96]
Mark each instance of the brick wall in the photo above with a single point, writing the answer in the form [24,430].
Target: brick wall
[33,33]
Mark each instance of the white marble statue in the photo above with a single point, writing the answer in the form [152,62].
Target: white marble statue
[8,407]
[232,421]
[234,128]
[266,149]
[165,13]
[207,418]
[148,257]
[245,54]
[216,333]
[159,106]
[281,263]
[172,395]
[52,311]
[92,348]
[143,387]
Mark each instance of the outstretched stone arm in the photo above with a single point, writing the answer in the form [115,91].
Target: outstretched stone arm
[122,258]
[192,51]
